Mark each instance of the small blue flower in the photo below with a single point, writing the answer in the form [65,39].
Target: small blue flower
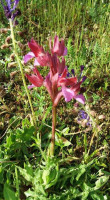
[73,72]
[82,67]
[9,8]
[82,115]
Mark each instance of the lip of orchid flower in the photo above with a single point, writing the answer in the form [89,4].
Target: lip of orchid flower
[58,47]
[70,88]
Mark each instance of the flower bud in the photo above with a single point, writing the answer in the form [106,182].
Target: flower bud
[4,30]
[8,39]
[12,56]
[4,46]
[12,64]
[22,47]
[21,33]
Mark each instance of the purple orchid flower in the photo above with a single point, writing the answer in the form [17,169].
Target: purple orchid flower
[59,83]
[58,75]
[9,8]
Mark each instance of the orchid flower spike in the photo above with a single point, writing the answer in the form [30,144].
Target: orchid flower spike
[59,83]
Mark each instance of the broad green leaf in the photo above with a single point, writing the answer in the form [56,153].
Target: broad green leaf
[86,191]
[75,192]
[25,174]
[85,195]
[30,193]
[65,131]
[96,196]
[101,181]
[63,142]
[81,171]
[40,190]
[50,176]
[9,194]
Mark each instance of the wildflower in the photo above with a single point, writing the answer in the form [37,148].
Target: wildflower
[57,82]
[84,117]
[9,9]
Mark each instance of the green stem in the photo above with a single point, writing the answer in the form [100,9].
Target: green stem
[4,104]
[21,69]
[53,130]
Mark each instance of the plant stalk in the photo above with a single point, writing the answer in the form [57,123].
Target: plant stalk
[22,73]
[52,149]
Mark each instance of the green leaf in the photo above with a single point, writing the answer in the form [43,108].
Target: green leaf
[81,171]
[30,193]
[25,174]
[96,196]
[85,195]
[86,191]
[50,176]
[62,142]
[65,131]
[101,181]
[9,194]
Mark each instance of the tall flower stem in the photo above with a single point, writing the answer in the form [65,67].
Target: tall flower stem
[53,130]
[22,73]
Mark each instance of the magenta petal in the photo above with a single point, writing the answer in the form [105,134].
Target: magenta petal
[56,44]
[57,98]
[36,63]
[80,98]
[36,48]
[31,86]
[65,52]
[67,93]
[47,83]
[28,56]
[35,80]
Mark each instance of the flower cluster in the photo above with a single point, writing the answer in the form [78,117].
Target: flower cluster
[58,82]
[82,115]
[9,9]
